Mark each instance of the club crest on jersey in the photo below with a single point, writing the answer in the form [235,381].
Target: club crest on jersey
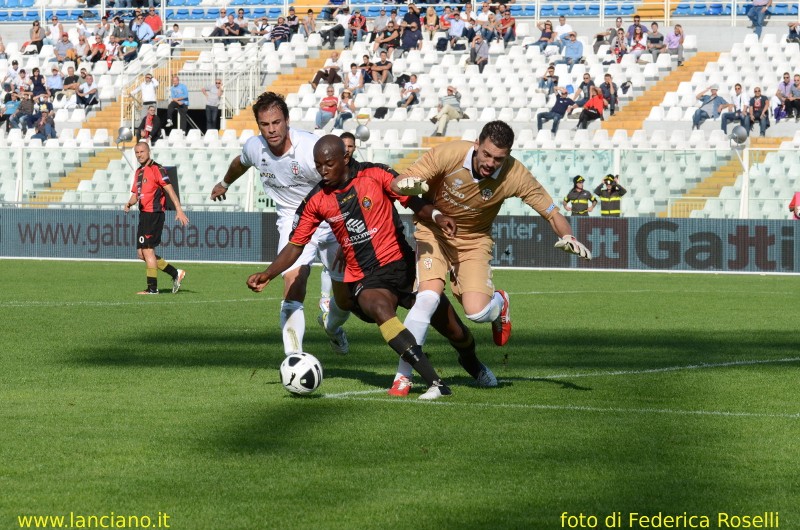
[486,194]
[427,263]
[295,168]
[366,203]
[457,183]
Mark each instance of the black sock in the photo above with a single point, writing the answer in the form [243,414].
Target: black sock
[416,358]
[466,355]
[166,267]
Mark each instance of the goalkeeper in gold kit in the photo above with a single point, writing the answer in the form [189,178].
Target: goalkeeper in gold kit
[469,181]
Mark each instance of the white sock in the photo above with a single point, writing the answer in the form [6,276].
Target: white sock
[293,326]
[336,317]
[490,312]
[325,290]
[417,322]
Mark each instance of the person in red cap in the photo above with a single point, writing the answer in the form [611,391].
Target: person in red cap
[794,206]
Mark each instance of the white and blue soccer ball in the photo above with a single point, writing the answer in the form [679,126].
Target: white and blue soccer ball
[301,373]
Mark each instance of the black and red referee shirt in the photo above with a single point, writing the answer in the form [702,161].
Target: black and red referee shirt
[148,183]
[362,217]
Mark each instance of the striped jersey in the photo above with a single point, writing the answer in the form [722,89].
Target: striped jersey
[148,185]
[361,215]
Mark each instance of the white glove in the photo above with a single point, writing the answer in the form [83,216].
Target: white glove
[573,246]
[412,186]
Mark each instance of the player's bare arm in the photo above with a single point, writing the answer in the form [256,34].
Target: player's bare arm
[287,256]
[427,212]
[180,216]
[131,202]
[235,170]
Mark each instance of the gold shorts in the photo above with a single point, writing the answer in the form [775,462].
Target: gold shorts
[464,261]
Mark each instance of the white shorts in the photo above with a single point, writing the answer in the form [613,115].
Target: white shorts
[323,244]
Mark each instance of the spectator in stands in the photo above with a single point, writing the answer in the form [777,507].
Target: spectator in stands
[508,28]
[655,42]
[281,33]
[412,16]
[710,106]
[87,93]
[113,51]
[610,196]
[675,43]
[19,120]
[606,37]
[547,37]
[327,108]
[82,29]
[757,14]
[11,103]
[584,90]
[582,200]
[637,23]
[45,127]
[148,90]
[410,93]
[71,83]
[103,28]
[470,20]
[293,21]
[263,29]
[783,93]
[562,106]
[449,109]
[388,37]
[342,19]
[491,29]
[219,24]
[3,54]
[457,28]
[144,33]
[379,24]
[430,22]
[37,36]
[243,23]
[24,85]
[593,108]
[382,70]
[794,33]
[354,80]
[64,50]
[609,90]
[329,71]
[174,36]
[366,69]
[179,101]
[54,31]
[562,31]
[130,49]
[40,106]
[737,109]
[231,30]
[757,111]
[120,31]
[573,52]
[548,81]
[98,50]
[411,38]
[357,25]
[794,206]
[38,83]
[213,94]
[153,20]
[793,101]
[83,49]
[149,129]
[328,12]
[479,52]
[346,109]
[637,44]
[482,18]
[55,82]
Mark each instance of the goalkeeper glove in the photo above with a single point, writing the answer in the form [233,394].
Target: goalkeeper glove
[412,186]
[573,246]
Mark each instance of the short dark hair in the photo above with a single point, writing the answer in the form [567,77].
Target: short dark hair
[348,135]
[499,133]
[268,100]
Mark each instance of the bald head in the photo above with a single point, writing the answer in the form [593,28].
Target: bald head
[142,152]
[330,159]
[329,145]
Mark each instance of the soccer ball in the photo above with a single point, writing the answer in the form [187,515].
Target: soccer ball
[301,373]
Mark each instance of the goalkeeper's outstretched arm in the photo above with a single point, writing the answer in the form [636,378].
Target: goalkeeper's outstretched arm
[567,241]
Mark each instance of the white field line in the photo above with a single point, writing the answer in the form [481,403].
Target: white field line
[578,408]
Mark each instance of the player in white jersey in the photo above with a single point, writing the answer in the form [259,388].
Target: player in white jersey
[284,158]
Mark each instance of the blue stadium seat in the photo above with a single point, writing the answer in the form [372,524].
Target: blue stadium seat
[193,3]
[627,9]
[14,4]
[579,10]
[27,3]
[16,16]
[612,10]
[699,9]
[779,9]
[182,14]
[3,16]
[3,4]
[75,13]
[682,10]
[275,12]
[373,12]
[547,12]
[594,10]
[530,10]
[564,10]
[259,12]
[197,14]
[30,16]
[743,9]
[715,9]
[516,11]
[274,2]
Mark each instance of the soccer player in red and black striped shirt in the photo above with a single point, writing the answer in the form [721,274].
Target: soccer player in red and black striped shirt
[150,188]
[356,200]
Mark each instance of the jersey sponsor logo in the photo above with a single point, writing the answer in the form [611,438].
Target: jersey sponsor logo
[347,197]
[486,194]
[337,218]
[355,225]
[454,190]
[366,203]
[267,175]
[360,238]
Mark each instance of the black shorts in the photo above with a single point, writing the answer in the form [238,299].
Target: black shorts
[398,277]
[151,224]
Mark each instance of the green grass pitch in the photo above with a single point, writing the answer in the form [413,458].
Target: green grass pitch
[620,392]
